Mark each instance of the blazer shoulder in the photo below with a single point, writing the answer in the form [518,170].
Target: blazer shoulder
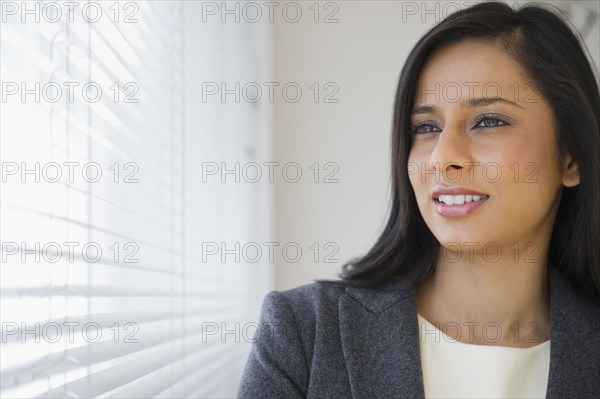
[311,300]
[321,299]
[280,361]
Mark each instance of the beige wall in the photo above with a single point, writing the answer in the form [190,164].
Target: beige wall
[362,54]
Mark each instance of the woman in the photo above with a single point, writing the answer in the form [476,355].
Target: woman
[486,279]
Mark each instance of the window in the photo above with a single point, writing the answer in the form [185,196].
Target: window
[106,287]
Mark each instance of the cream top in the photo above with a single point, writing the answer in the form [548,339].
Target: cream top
[453,369]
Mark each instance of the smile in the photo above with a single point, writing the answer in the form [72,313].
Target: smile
[461,199]
[459,205]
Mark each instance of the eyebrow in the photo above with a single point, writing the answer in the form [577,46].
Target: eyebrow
[475,102]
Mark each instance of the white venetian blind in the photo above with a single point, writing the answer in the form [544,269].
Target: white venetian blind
[104,288]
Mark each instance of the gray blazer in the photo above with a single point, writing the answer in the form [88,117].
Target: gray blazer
[322,340]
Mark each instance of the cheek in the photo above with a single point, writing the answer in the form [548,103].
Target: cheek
[418,155]
[529,180]
[422,186]
[416,158]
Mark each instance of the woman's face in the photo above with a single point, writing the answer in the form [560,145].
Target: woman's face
[478,124]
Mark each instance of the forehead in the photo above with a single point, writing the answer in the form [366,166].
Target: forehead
[480,67]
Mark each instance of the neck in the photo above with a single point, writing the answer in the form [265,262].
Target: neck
[504,303]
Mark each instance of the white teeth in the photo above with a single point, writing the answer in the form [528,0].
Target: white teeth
[460,199]
[448,199]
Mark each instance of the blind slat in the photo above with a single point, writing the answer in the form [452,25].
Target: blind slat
[171,292]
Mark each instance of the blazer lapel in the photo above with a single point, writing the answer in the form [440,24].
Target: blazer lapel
[380,341]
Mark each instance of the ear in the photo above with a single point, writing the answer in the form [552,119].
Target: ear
[570,173]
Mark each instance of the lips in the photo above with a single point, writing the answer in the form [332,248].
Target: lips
[457,201]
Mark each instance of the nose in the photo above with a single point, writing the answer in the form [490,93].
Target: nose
[450,155]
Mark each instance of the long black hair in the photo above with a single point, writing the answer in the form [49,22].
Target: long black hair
[554,57]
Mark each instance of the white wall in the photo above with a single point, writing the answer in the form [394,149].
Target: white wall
[363,54]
